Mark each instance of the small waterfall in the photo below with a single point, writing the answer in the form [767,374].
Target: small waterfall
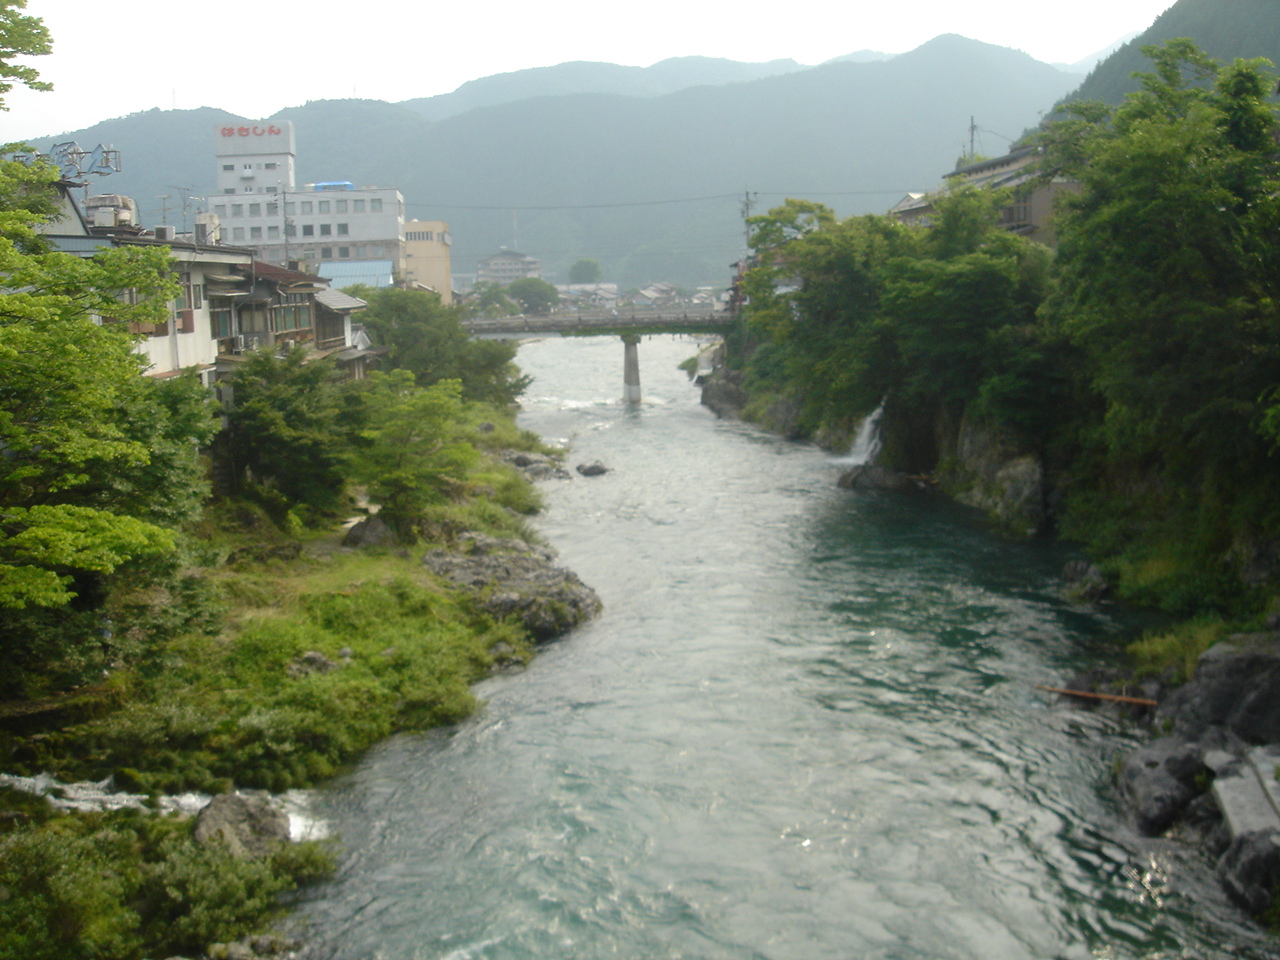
[866,443]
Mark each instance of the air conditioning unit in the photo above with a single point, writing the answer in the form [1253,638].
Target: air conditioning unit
[166,233]
[240,343]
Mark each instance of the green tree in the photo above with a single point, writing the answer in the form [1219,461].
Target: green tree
[586,270]
[21,35]
[534,295]
[408,457]
[1167,282]
[427,338]
[286,444]
[490,300]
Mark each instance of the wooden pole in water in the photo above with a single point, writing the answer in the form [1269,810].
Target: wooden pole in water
[1111,697]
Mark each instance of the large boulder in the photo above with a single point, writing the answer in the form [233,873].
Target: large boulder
[248,824]
[868,476]
[1250,870]
[511,578]
[1235,693]
[1160,780]
[369,532]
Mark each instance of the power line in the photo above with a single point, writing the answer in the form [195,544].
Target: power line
[654,203]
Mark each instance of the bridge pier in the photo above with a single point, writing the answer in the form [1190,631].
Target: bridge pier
[630,368]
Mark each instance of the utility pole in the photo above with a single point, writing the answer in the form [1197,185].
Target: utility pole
[748,204]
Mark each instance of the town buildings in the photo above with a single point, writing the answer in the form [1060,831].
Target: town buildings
[260,204]
[507,266]
[427,257]
[1029,215]
[229,301]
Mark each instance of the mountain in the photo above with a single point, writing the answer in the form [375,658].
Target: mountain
[1225,29]
[653,185]
[666,76]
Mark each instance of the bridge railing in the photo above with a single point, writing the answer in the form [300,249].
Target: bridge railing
[694,318]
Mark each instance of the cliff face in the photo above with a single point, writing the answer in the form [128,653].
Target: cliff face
[973,462]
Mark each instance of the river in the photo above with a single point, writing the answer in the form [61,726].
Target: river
[804,728]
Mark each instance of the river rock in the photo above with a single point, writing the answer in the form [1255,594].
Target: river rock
[1160,780]
[249,824]
[536,466]
[724,393]
[868,476]
[369,532]
[1250,870]
[593,469]
[1235,694]
[512,578]
[1084,581]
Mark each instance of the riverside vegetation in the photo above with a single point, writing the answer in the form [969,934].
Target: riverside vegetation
[166,636]
[1139,366]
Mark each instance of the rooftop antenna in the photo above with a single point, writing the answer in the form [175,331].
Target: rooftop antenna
[164,209]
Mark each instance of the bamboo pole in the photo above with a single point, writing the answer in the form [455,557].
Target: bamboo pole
[1112,697]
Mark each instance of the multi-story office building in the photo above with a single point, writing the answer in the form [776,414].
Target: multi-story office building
[259,204]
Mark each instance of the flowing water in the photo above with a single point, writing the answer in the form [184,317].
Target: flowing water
[804,728]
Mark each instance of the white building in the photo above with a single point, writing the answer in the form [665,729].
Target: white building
[260,205]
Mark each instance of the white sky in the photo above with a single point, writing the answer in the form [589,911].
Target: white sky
[115,57]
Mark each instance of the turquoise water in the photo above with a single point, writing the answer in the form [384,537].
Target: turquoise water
[804,727]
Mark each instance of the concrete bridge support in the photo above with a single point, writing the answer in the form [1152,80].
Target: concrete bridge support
[631,368]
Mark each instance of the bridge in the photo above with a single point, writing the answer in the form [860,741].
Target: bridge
[629,323]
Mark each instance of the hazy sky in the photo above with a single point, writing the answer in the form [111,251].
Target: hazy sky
[114,57]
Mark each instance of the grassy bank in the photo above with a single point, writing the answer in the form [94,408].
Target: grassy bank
[295,655]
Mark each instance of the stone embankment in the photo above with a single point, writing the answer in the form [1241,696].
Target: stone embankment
[1214,773]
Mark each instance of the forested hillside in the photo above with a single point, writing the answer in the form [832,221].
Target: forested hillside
[1224,29]
[1139,368]
[650,186]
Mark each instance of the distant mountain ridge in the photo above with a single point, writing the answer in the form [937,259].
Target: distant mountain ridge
[650,184]
[579,76]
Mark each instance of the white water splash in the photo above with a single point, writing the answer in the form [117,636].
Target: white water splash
[866,443]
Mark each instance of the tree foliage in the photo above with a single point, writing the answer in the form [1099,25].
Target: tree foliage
[586,270]
[21,35]
[536,296]
[426,338]
[1167,281]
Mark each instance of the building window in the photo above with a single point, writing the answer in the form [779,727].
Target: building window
[220,321]
[228,166]
[342,230]
[272,190]
[220,209]
[255,209]
[326,229]
[255,233]
[308,230]
[273,233]
[229,190]
[237,233]
[290,230]
[357,206]
[339,206]
[270,165]
[322,206]
[290,208]
[359,251]
[344,252]
[375,205]
[306,206]
[326,253]
[237,209]
[273,209]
